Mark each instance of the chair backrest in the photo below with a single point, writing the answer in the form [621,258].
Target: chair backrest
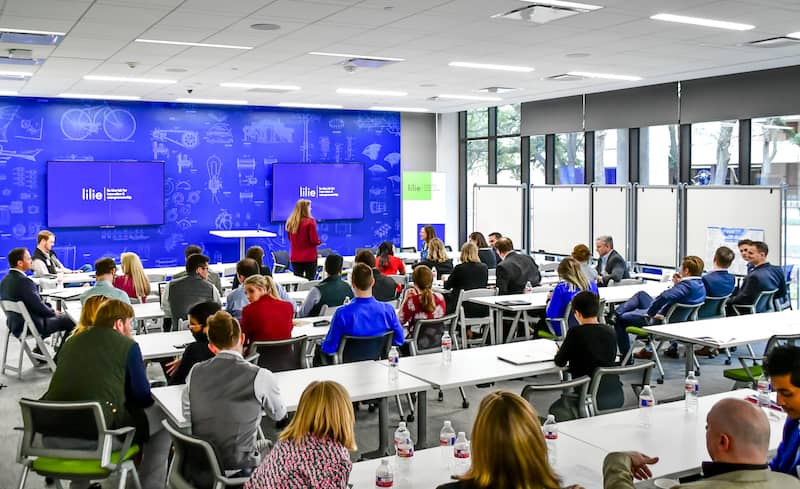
[308,285]
[156,277]
[408,249]
[464,295]
[448,248]
[280,261]
[324,252]
[679,313]
[18,307]
[400,279]
[567,320]
[779,339]
[49,424]
[605,390]
[581,384]
[279,356]
[427,337]
[195,462]
[327,310]
[713,307]
[764,300]
[549,266]
[359,348]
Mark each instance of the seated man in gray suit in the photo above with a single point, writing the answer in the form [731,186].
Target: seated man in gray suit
[193,288]
[211,276]
[610,265]
[514,270]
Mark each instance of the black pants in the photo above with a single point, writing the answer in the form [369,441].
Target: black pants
[305,269]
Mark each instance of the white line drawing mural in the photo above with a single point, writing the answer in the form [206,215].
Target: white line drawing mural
[160,149]
[377,207]
[75,157]
[338,153]
[193,197]
[377,169]
[224,220]
[268,131]
[336,124]
[324,147]
[372,151]
[23,178]
[117,124]
[245,197]
[183,138]
[184,162]
[5,215]
[382,231]
[393,159]
[7,113]
[32,130]
[379,124]
[349,148]
[219,133]
[214,165]
[27,154]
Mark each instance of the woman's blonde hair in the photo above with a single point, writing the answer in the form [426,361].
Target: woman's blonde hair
[301,209]
[325,411]
[423,281]
[436,251]
[132,265]
[265,283]
[508,447]
[88,312]
[569,270]
[469,253]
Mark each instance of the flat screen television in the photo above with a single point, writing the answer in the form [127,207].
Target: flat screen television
[336,190]
[105,193]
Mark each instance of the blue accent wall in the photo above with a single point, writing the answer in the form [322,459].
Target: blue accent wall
[218,172]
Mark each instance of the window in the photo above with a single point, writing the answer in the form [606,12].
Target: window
[715,153]
[658,155]
[775,150]
[508,161]
[477,170]
[508,117]
[569,158]
[611,156]
[478,123]
[537,160]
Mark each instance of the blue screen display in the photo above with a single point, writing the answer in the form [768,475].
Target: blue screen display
[105,193]
[336,191]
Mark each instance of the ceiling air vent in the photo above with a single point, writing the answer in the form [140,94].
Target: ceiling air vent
[774,42]
[564,77]
[31,38]
[367,62]
[497,89]
[540,13]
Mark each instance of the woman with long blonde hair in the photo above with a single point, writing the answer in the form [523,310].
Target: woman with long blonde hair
[303,238]
[133,280]
[421,301]
[437,258]
[267,317]
[313,450]
[88,312]
[508,448]
[572,281]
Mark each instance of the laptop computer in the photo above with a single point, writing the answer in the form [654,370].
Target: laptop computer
[523,358]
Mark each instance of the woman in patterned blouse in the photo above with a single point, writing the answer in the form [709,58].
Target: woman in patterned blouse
[313,450]
[421,301]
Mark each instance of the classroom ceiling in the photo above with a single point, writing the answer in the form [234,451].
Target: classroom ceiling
[619,38]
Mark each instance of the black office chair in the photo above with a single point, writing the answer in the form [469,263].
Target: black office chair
[408,249]
[279,356]
[280,261]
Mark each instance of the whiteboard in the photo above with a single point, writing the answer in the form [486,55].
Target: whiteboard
[610,214]
[734,207]
[560,218]
[499,208]
[657,225]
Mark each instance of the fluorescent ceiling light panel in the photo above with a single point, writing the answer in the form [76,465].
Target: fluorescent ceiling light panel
[401,109]
[194,44]
[343,55]
[309,105]
[28,31]
[20,74]
[468,97]
[218,101]
[8,93]
[127,79]
[91,96]
[719,24]
[606,76]
[259,85]
[484,66]
[366,91]
[559,3]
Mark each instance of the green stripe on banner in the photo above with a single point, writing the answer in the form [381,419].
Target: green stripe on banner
[417,185]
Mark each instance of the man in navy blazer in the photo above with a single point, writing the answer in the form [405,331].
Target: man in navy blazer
[719,282]
[761,278]
[16,286]
[641,309]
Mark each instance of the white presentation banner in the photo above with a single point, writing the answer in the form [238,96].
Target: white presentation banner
[423,200]
[717,236]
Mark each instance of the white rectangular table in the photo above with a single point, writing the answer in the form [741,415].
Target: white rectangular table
[242,234]
[149,310]
[305,326]
[288,279]
[163,345]
[299,296]
[70,293]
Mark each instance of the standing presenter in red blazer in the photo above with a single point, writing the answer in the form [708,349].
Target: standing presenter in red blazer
[302,229]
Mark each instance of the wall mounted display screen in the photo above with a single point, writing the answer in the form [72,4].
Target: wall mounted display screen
[336,190]
[105,193]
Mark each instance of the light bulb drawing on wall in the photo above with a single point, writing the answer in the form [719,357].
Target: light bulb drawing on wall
[214,165]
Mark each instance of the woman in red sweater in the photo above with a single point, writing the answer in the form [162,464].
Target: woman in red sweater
[302,229]
[388,264]
[267,317]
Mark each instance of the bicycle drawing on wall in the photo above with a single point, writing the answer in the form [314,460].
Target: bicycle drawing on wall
[117,124]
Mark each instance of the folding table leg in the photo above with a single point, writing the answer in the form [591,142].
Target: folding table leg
[422,419]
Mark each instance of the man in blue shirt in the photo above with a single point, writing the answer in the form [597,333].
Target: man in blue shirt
[236,300]
[642,309]
[783,367]
[363,316]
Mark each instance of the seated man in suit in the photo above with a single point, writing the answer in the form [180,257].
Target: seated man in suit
[211,276]
[737,439]
[610,265]
[236,300]
[332,291]
[514,270]
[193,288]
[16,286]
[761,278]
[363,316]
[641,309]
[385,288]
[493,237]
[745,249]
[104,270]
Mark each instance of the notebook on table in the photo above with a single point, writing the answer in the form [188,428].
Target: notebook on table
[514,302]
[523,358]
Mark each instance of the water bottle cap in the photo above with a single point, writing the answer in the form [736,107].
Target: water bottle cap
[691,372]
[447,422]
[385,462]
[551,417]
[402,424]
[461,433]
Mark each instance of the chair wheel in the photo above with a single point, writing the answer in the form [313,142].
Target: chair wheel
[441,396]
[465,404]
[660,381]
[728,361]
[409,418]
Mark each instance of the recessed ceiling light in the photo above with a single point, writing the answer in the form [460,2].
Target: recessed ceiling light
[309,105]
[578,55]
[366,91]
[218,101]
[342,55]
[126,79]
[19,74]
[720,24]
[606,76]
[795,35]
[559,3]
[8,93]
[265,27]
[176,70]
[259,85]
[194,44]
[484,66]
[90,96]
[428,85]
[401,109]
[28,31]
[468,97]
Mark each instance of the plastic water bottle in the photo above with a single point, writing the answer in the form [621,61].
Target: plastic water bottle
[646,401]
[461,454]
[550,431]
[405,455]
[763,391]
[528,287]
[60,279]
[691,390]
[447,440]
[400,433]
[346,300]
[435,274]
[394,364]
[384,476]
[447,348]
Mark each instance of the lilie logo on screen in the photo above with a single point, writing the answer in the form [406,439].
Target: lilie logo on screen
[93,194]
[317,191]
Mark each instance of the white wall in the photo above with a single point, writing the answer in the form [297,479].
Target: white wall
[447,163]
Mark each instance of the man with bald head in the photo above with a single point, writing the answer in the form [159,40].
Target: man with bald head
[737,439]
